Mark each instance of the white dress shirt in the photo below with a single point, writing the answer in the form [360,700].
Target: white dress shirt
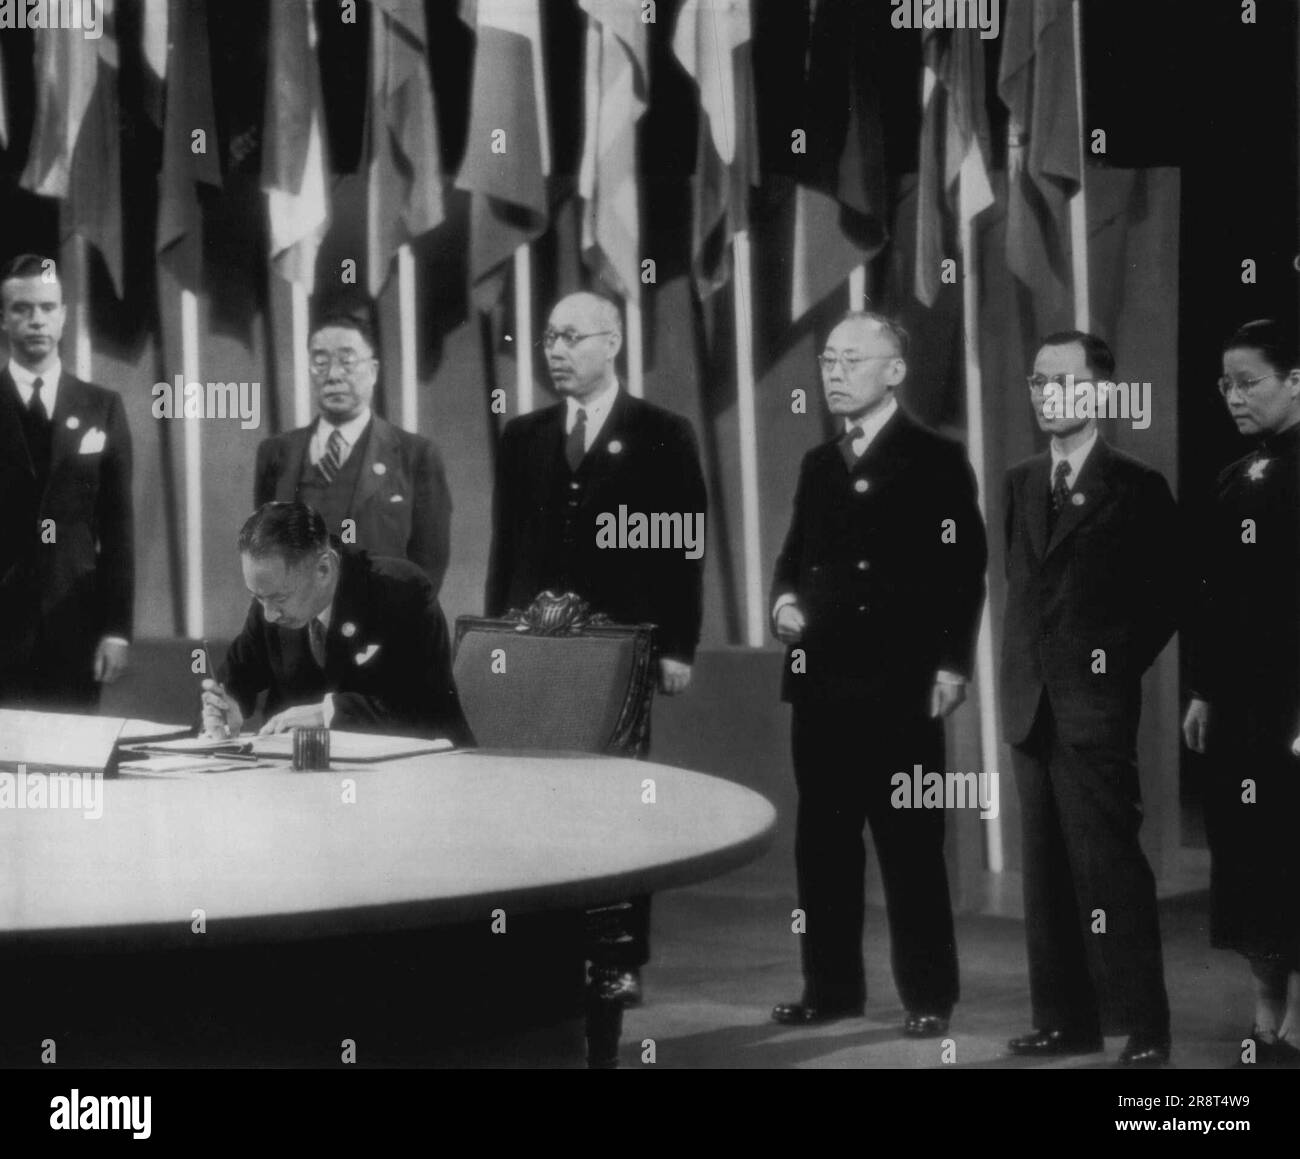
[23,379]
[351,431]
[597,408]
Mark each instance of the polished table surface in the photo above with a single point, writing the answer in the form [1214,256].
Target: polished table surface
[429,840]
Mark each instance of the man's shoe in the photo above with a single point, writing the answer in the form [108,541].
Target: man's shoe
[1054,1043]
[1144,1050]
[621,986]
[804,1014]
[925,1025]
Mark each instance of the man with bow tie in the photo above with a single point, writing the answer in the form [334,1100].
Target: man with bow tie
[1093,586]
[67,563]
[334,638]
[877,595]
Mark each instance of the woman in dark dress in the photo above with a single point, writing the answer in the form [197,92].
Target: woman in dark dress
[1245,711]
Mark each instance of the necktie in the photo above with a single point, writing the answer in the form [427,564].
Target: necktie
[332,459]
[575,445]
[1060,491]
[846,446]
[316,638]
[37,404]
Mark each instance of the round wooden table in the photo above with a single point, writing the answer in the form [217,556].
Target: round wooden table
[265,856]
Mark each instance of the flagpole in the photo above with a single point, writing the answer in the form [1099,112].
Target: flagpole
[989,753]
[301,371]
[1078,202]
[406,331]
[523,330]
[754,619]
[635,350]
[82,348]
[858,288]
[193,472]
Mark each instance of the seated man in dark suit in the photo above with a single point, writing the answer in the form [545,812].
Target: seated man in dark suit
[338,639]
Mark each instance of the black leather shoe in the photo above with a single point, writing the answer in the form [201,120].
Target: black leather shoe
[924,1025]
[621,986]
[1053,1043]
[1143,1050]
[803,1014]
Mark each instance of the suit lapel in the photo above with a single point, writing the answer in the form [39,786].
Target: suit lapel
[1087,496]
[547,452]
[295,450]
[346,635]
[13,442]
[611,443]
[379,450]
[885,451]
[1034,502]
[66,439]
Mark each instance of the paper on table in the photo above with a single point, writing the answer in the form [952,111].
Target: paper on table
[187,764]
[203,744]
[354,746]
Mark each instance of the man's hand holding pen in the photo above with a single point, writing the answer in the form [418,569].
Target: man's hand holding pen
[221,714]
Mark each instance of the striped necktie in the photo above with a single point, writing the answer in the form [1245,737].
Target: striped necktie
[575,446]
[332,459]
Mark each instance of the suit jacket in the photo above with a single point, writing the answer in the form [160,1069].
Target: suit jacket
[403,509]
[387,659]
[645,459]
[81,586]
[1108,578]
[888,602]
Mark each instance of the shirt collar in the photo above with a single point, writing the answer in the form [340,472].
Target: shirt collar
[24,377]
[350,430]
[597,407]
[872,423]
[1075,458]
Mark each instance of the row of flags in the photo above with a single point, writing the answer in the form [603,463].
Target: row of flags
[840,189]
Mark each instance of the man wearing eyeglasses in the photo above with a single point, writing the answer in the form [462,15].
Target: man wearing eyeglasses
[558,470]
[1092,550]
[877,596]
[377,486]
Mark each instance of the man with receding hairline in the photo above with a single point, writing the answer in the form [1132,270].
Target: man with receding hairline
[877,596]
[558,470]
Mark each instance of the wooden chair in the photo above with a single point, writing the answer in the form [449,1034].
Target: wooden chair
[555,677]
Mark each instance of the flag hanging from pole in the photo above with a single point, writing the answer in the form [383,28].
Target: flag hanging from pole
[507,152]
[617,85]
[189,138]
[1037,81]
[404,176]
[954,148]
[713,42]
[75,152]
[840,205]
[155,37]
[295,172]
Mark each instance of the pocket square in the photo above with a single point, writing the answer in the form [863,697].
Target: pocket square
[394,499]
[92,442]
[364,657]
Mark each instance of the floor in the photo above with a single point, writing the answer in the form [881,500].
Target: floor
[723,953]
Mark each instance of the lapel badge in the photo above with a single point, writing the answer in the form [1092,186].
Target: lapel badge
[1078,499]
[73,422]
[1255,472]
[615,448]
[379,469]
[349,630]
[860,486]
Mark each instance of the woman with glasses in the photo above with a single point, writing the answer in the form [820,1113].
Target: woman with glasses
[1245,708]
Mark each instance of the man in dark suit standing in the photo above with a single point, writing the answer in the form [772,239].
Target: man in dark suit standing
[335,639]
[350,464]
[877,594]
[1092,598]
[559,470]
[67,568]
